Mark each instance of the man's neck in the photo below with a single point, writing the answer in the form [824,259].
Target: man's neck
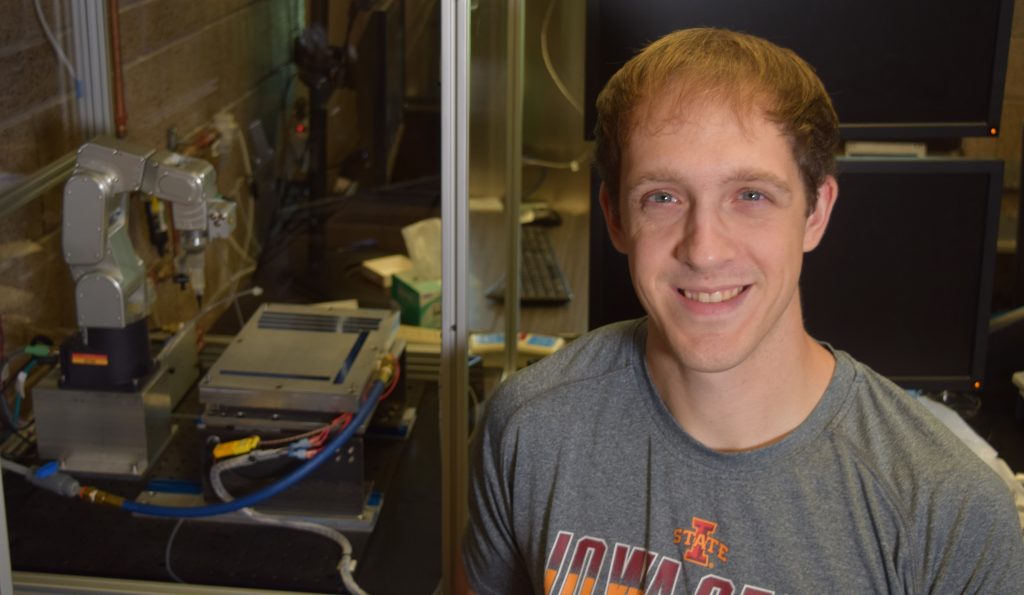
[752,405]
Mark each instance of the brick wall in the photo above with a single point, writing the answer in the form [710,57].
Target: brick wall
[183,61]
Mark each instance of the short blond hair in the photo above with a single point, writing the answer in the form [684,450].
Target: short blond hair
[715,65]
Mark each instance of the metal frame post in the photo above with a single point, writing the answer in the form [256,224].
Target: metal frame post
[454,382]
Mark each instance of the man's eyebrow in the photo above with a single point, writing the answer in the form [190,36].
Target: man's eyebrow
[758,175]
[752,175]
[655,177]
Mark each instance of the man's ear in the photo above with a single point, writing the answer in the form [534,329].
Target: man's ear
[612,218]
[817,221]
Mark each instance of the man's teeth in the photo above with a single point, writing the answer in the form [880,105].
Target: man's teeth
[712,298]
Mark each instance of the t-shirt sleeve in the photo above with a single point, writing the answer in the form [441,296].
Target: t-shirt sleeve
[978,548]
[491,556]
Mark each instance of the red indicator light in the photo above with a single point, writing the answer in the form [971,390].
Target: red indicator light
[993,131]
[300,128]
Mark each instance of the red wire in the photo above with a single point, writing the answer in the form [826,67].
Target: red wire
[394,382]
[344,419]
[316,438]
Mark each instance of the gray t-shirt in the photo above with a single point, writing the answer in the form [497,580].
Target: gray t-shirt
[583,482]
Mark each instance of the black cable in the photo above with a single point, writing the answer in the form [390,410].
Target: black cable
[41,340]
[353,9]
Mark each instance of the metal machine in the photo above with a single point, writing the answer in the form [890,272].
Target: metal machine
[292,370]
[107,409]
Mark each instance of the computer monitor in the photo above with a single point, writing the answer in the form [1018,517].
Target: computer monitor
[896,69]
[902,279]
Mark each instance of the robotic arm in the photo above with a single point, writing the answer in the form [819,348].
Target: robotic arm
[111,287]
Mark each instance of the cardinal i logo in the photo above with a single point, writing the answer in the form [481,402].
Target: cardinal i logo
[699,543]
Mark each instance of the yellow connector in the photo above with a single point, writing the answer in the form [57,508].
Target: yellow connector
[385,368]
[235,447]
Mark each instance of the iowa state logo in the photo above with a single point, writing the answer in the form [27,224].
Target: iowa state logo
[575,566]
[699,543]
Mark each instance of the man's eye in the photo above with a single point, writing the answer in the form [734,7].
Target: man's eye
[660,198]
[751,196]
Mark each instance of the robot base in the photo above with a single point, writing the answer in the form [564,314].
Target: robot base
[112,432]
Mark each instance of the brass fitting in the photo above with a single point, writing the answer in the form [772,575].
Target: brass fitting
[98,496]
[385,368]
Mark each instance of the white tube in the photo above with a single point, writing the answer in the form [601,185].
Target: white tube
[9,465]
[345,565]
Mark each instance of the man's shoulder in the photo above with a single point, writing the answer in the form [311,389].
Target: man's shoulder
[578,371]
[906,446]
[591,355]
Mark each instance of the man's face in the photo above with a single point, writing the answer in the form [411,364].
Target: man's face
[712,215]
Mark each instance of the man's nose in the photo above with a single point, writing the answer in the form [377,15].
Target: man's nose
[707,241]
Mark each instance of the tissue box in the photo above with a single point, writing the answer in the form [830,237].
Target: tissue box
[381,270]
[418,299]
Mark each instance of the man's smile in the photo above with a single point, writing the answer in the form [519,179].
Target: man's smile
[712,297]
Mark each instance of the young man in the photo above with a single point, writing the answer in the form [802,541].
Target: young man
[714,447]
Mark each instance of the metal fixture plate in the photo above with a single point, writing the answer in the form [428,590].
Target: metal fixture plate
[300,358]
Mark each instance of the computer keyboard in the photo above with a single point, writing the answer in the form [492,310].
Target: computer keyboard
[543,281]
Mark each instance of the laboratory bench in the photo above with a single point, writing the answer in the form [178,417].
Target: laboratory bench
[52,534]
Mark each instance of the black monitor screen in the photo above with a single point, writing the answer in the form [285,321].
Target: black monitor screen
[895,68]
[902,279]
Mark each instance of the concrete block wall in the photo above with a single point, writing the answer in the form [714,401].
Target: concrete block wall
[183,62]
[34,100]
